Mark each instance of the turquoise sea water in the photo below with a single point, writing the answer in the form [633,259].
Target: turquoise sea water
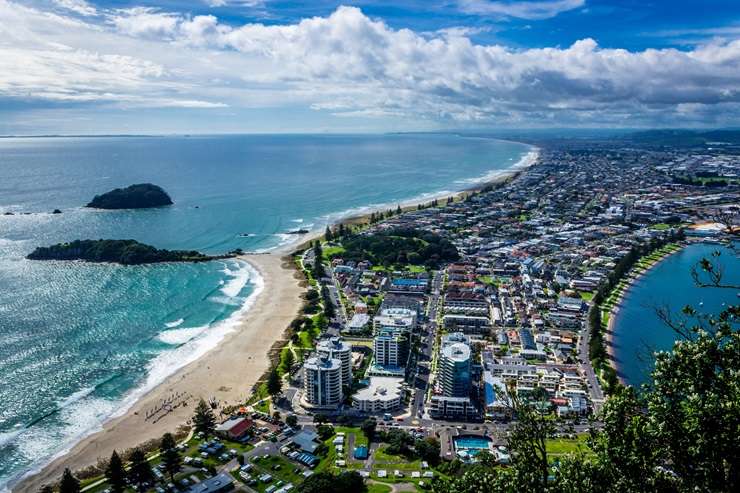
[637,329]
[79,342]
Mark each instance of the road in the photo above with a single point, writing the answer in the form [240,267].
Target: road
[428,335]
[594,387]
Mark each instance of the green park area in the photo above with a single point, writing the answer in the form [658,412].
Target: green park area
[563,446]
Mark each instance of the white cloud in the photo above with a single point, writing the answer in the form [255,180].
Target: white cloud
[350,65]
[80,7]
[145,22]
[533,9]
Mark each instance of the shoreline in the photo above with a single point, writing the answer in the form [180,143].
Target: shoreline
[614,312]
[227,372]
[124,429]
[362,216]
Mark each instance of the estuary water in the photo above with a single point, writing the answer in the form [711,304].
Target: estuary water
[80,342]
[638,331]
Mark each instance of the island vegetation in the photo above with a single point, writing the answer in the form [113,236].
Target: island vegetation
[139,196]
[400,246]
[126,252]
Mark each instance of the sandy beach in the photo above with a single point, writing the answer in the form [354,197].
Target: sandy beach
[227,373]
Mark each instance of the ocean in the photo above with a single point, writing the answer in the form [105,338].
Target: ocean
[638,331]
[80,342]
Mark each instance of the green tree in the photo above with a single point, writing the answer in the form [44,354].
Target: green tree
[368,428]
[318,266]
[203,419]
[694,408]
[140,472]
[326,482]
[170,455]
[398,442]
[428,449]
[288,360]
[274,383]
[69,483]
[292,420]
[115,473]
[328,236]
[528,439]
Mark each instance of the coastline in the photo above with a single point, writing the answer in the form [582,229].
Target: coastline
[227,372]
[230,370]
[633,279]
[361,215]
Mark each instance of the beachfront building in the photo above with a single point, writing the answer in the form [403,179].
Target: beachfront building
[454,370]
[336,348]
[234,428]
[383,394]
[403,319]
[322,382]
[452,392]
[390,353]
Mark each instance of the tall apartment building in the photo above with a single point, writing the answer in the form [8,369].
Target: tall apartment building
[322,382]
[336,348]
[454,370]
[454,378]
[390,353]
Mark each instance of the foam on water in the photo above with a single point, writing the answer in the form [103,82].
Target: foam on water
[176,337]
[239,279]
[527,160]
[174,323]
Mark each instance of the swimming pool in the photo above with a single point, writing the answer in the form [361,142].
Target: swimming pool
[471,445]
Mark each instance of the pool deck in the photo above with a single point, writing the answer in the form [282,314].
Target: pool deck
[447,439]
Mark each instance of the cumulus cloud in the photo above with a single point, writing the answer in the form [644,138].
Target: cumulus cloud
[145,22]
[350,65]
[534,9]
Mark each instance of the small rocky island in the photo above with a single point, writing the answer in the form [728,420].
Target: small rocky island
[126,252]
[140,196]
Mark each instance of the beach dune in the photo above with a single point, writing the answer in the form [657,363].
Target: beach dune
[226,373]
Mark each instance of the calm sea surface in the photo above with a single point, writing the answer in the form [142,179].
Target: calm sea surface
[638,331]
[79,342]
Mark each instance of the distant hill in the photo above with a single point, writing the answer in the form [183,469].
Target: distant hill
[140,196]
[126,252]
[685,138]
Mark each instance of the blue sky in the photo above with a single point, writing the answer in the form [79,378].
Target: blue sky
[211,66]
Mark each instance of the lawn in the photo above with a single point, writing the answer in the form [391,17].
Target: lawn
[285,473]
[378,488]
[384,460]
[587,295]
[332,251]
[327,463]
[562,446]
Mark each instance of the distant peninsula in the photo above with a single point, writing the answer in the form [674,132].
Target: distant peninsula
[140,196]
[126,252]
